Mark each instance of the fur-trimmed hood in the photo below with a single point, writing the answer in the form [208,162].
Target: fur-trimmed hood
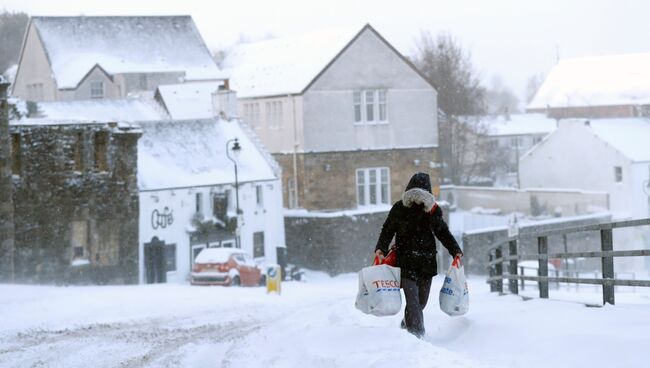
[419,196]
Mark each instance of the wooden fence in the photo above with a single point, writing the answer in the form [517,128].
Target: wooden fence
[497,259]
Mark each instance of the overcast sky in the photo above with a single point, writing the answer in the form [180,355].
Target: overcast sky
[512,39]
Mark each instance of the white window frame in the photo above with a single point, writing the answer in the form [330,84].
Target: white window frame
[94,89]
[363,179]
[374,101]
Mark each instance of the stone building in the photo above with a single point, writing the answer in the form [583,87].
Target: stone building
[349,119]
[78,58]
[612,86]
[347,116]
[6,199]
[75,201]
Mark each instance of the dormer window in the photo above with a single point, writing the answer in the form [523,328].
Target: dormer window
[96,89]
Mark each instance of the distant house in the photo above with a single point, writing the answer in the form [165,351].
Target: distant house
[347,116]
[78,58]
[609,155]
[596,87]
[516,134]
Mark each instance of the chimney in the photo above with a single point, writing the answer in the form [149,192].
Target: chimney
[224,102]
[7,228]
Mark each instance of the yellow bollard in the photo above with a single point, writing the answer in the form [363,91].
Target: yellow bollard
[273,279]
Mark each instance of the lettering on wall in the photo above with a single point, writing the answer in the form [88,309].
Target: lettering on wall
[161,219]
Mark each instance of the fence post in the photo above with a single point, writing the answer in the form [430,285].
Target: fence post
[606,245]
[498,268]
[542,247]
[523,282]
[493,285]
[512,284]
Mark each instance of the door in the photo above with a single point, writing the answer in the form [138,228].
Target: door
[154,261]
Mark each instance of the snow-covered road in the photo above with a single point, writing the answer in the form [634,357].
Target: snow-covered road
[312,324]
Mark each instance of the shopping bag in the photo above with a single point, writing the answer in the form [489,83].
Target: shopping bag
[379,290]
[454,296]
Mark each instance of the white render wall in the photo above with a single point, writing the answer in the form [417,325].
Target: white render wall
[368,63]
[181,203]
[34,68]
[573,157]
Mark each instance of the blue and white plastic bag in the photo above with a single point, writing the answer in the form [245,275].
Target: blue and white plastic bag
[454,295]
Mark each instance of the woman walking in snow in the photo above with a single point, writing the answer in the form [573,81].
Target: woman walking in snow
[414,221]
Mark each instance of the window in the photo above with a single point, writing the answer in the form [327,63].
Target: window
[198,205]
[252,113]
[258,244]
[536,140]
[143,82]
[230,195]
[515,143]
[170,257]
[293,193]
[274,114]
[370,106]
[259,195]
[96,89]
[101,149]
[78,152]
[373,186]
[220,206]
[228,244]
[381,97]
[356,97]
[79,238]
[35,92]
[618,174]
[16,154]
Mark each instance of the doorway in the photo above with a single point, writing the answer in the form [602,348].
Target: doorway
[154,261]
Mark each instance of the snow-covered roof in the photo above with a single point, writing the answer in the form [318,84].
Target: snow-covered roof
[520,124]
[596,81]
[10,73]
[173,154]
[284,65]
[630,136]
[101,110]
[134,44]
[189,100]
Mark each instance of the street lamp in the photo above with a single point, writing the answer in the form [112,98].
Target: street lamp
[236,150]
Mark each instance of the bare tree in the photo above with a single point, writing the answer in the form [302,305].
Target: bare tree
[499,99]
[464,148]
[532,86]
[12,30]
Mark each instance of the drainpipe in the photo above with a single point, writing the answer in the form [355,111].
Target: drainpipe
[7,226]
[295,151]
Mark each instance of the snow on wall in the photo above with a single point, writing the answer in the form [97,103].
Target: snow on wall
[596,81]
[124,45]
[520,124]
[193,153]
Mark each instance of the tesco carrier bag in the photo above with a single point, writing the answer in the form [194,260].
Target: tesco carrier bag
[379,290]
[454,296]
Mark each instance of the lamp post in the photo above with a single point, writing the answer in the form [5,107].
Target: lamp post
[236,150]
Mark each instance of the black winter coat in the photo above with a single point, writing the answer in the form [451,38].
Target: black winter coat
[416,221]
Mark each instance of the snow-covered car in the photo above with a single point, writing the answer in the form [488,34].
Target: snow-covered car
[225,266]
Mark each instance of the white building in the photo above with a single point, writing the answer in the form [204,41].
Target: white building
[188,200]
[77,58]
[609,155]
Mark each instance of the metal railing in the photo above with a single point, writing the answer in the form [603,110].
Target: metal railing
[497,259]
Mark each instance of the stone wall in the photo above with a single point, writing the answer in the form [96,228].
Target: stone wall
[476,244]
[6,200]
[333,243]
[596,112]
[326,180]
[76,199]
